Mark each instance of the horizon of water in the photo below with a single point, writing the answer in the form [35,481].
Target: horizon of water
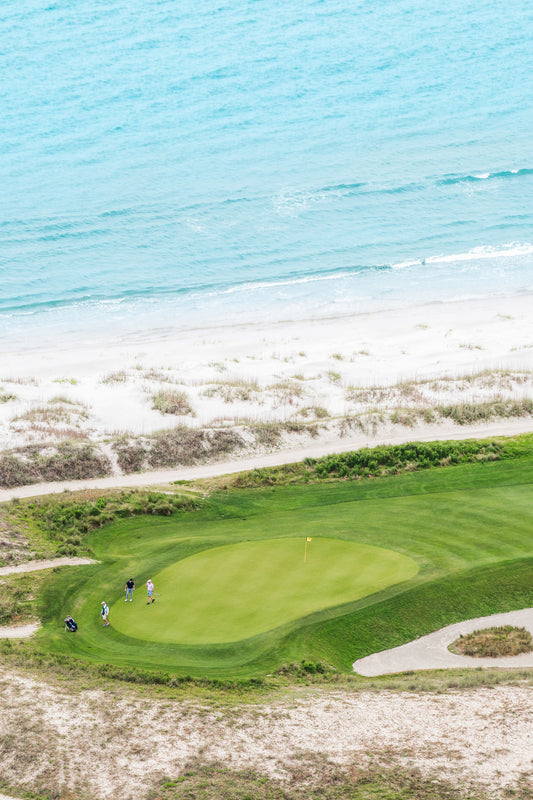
[196,164]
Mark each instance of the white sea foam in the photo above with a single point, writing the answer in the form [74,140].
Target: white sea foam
[483,252]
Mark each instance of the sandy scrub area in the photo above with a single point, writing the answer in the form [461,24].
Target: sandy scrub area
[329,385]
[479,738]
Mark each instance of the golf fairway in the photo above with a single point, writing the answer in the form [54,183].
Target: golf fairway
[230,593]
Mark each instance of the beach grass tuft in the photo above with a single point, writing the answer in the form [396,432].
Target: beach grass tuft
[118,376]
[5,397]
[172,401]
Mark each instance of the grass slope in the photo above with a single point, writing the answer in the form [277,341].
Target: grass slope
[468,528]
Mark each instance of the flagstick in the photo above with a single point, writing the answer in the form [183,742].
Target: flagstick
[305,554]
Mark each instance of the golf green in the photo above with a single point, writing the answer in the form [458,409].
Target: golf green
[230,593]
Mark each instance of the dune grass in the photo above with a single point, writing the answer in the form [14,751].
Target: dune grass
[504,640]
[468,529]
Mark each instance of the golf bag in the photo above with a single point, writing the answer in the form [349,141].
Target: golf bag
[71,625]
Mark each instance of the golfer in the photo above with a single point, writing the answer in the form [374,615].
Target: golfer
[150,589]
[104,612]
[130,588]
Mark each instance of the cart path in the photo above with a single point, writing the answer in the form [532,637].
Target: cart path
[431,651]
[33,566]
[286,455]
[19,632]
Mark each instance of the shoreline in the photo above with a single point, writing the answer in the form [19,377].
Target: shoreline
[266,395]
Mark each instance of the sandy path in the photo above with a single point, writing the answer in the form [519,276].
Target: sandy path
[431,651]
[481,738]
[316,450]
[34,566]
[19,632]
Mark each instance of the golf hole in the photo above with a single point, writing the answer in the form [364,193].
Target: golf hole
[230,593]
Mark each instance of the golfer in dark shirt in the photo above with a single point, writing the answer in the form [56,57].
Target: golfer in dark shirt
[130,588]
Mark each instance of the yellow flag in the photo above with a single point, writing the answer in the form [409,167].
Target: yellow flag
[308,539]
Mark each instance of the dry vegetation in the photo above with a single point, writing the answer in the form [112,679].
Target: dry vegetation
[17,593]
[169,401]
[494,642]
[329,744]
[179,446]
[64,461]
[235,391]
[263,418]
[119,376]
[14,537]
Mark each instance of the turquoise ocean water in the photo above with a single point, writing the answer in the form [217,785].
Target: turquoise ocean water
[183,163]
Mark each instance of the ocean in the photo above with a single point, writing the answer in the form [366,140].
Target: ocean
[170,164]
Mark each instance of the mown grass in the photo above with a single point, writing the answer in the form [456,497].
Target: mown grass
[467,527]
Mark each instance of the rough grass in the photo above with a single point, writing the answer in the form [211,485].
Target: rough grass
[58,410]
[158,375]
[489,395]
[494,642]
[468,413]
[269,434]
[319,412]
[381,461]
[287,391]
[309,777]
[17,598]
[63,523]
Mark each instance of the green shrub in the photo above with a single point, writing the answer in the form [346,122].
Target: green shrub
[67,522]
[376,461]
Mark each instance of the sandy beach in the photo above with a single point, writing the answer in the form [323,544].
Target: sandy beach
[289,390]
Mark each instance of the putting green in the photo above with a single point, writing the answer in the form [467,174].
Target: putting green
[226,594]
